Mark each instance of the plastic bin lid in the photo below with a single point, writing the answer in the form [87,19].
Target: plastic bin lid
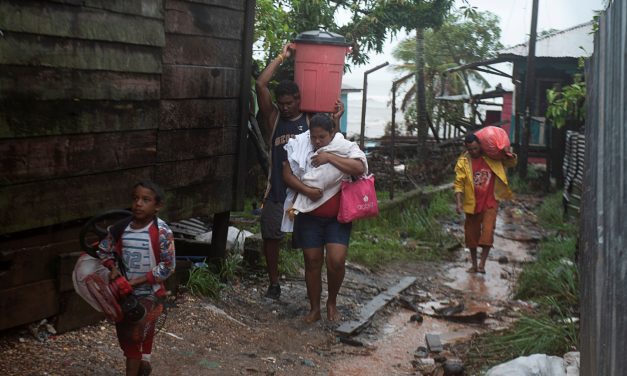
[321,37]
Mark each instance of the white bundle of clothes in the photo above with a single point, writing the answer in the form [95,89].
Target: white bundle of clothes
[326,177]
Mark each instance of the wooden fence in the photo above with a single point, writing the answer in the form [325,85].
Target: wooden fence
[603,260]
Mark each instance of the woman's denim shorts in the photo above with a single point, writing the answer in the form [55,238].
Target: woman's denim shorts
[314,232]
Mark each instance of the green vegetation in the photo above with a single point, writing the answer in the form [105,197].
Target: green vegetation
[411,232]
[204,282]
[528,185]
[551,331]
[552,283]
[291,260]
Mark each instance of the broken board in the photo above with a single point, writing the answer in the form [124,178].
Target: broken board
[373,306]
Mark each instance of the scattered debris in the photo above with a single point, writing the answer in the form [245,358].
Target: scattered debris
[218,311]
[536,364]
[421,352]
[173,335]
[350,341]
[434,344]
[374,306]
[42,330]
[416,317]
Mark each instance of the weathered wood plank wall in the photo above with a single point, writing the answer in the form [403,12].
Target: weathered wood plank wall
[70,72]
[96,95]
[603,261]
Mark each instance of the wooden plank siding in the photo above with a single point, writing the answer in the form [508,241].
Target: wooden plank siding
[27,118]
[96,95]
[43,18]
[198,134]
[37,204]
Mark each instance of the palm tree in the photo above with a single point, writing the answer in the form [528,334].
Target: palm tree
[458,41]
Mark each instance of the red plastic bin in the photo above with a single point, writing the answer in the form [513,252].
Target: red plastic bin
[318,69]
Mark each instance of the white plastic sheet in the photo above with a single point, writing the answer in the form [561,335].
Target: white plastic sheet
[533,365]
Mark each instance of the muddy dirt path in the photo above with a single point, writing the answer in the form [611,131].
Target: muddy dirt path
[247,334]
[393,352]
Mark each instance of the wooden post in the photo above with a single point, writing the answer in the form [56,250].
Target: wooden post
[530,78]
[220,234]
[393,135]
[363,103]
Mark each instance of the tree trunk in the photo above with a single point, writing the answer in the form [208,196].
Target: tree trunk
[421,105]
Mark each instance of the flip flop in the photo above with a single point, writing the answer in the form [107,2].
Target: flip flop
[481,270]
[471,270]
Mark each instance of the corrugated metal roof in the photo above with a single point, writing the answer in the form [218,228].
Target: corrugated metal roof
[572,42]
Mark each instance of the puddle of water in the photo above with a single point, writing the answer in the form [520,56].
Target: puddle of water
[394,351]
[480,286]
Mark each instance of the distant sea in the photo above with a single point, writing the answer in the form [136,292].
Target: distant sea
[378,106]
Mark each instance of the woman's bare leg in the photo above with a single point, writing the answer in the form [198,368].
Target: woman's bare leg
[313,279]
[335,260]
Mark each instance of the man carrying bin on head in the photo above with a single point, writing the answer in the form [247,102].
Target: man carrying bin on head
[480,183]
[283,120]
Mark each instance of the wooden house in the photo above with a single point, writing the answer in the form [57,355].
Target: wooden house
[96,95]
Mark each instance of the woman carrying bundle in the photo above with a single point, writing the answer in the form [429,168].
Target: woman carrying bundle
[317,162]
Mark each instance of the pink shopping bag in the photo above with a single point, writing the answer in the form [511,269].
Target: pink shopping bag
[358,201]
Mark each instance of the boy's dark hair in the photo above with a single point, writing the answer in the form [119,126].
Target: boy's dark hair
[470,138]
[287,87]
[159,194]
[323,121]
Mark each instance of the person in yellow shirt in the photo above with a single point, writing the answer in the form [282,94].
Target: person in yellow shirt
[480,183]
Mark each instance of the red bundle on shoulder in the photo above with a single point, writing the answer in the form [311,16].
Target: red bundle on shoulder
[494,141]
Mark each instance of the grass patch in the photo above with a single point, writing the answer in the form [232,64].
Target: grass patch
[204,282]
[291,261]
[533,183]
[231,267]
[551,332]
[412,232]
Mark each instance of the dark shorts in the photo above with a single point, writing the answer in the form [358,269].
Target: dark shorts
[314,232]
[271,218]
[479,228]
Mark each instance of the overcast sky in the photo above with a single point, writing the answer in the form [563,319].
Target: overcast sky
[515,17]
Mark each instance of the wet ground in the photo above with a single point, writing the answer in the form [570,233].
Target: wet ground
[247,334]
[395,349]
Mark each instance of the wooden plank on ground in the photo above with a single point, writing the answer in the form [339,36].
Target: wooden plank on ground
[181,82]
[373,306]
[198,113]
[44,18]
[29,118]
[199,50]
[43,83]
[62,200]
[27,303]
[29,159]
[400,200]
[37,50]
[199,19]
